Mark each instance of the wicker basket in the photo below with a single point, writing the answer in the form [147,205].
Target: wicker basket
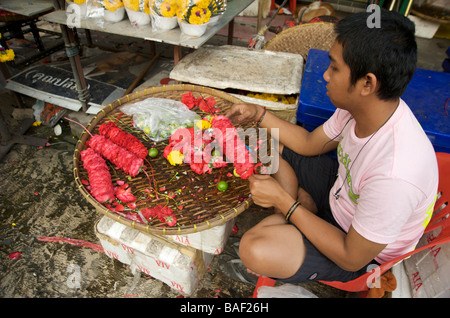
[203,206]
[301,38]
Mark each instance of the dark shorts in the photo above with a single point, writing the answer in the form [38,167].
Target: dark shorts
[316,175]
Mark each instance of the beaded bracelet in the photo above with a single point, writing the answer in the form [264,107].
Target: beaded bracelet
[261,117]
[291,210]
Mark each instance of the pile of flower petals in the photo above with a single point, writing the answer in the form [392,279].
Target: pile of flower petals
[207,105]
[123,193]
[160,212]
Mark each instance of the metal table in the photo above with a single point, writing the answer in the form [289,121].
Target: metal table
[26,7]
[27,13]
[124,28]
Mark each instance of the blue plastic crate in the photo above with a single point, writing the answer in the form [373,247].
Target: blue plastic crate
[426,95]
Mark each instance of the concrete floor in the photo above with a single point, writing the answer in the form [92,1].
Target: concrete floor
[39,198]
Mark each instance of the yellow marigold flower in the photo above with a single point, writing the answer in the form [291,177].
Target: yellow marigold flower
[199,15]
[79,1]
[112,5]
[175,158]
[182,8]
[6,55]
[203,124]
[132,4]
[203,4]
[37,123]
[168,8]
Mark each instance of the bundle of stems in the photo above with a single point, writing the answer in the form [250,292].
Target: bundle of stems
[217,7]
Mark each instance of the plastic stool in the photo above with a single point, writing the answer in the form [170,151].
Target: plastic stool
[263,281]
[292,5]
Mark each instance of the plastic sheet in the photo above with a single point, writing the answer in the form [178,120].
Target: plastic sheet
[284,291]
[159,118]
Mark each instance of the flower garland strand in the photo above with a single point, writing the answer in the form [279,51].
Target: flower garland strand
[201,158]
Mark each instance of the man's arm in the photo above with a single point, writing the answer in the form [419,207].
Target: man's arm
[349,251]
[292,136]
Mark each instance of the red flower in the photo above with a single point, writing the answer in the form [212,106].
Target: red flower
[189,100]
[207,105]
[119,208]
[14,255]
[200,168]
[160,212]
[123,193]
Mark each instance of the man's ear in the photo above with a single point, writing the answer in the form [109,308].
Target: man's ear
[369,84]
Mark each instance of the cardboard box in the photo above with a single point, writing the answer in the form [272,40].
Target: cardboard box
[247,70]
[210,241]
[180,267]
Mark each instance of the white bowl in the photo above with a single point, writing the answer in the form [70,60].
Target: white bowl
[115,16]
[193,29]
[137,17]
[163,23]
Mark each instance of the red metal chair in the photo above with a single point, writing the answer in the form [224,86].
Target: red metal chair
[441,218]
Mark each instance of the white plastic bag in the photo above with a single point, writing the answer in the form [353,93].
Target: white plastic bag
[159,118]
[284,291]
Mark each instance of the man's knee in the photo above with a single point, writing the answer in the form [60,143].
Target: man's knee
[251,250]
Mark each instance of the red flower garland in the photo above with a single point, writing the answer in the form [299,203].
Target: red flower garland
[101,186]
[199,156]
[121,157]
[123,139]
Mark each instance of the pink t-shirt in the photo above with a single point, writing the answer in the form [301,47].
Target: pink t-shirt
[389,193]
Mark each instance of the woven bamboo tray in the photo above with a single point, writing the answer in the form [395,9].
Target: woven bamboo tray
[301,38]
[203,206]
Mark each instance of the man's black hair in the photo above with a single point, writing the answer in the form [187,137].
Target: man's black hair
[389,52]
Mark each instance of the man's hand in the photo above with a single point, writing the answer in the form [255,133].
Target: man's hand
[265,190]
[241,113]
